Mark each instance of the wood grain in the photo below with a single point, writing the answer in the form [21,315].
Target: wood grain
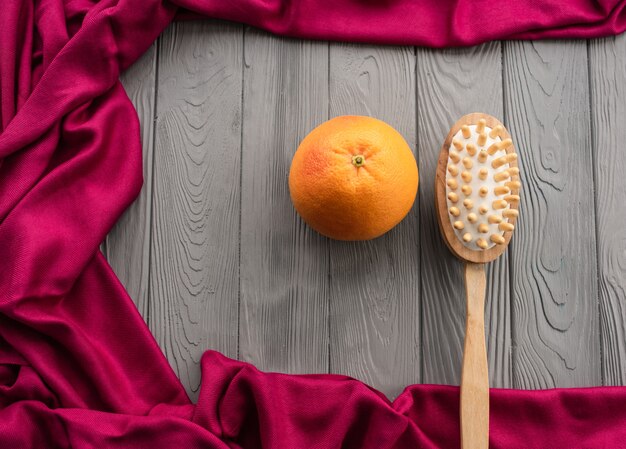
[127,247]
[450,84]
[374,285]
[474,377]
[607,68]
[284,263]
[555,300]
[195,255]
[188,284]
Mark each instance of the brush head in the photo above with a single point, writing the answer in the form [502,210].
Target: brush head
[477,188]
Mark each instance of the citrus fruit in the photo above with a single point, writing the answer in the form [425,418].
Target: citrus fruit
[353,178]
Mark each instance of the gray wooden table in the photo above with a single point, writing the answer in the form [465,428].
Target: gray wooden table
[215,256]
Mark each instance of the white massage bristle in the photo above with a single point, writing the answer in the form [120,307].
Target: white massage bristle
[506,227]
[495,132]
[482,186]
[501,176]
[493,149]
[510,213]
[510,157]
[513,185]
[501,190]
[499,204]
[498,146]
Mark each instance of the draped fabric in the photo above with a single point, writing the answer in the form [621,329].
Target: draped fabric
[78,366]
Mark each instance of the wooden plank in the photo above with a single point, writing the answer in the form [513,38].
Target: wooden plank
[607,69]
[452,83]
[374,290]
[284,263]
[127,247]
[555,302]
[195,254]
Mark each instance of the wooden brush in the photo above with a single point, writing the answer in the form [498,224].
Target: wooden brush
[477,196]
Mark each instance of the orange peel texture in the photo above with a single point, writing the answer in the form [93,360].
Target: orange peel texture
[353,178]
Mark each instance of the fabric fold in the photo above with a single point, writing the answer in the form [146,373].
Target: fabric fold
[430,23]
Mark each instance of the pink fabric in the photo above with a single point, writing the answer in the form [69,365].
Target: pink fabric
[431,23]
[78,366]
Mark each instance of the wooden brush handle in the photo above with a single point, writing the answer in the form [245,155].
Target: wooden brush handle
[474,378]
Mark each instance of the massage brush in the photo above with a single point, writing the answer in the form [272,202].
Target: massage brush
[477,198]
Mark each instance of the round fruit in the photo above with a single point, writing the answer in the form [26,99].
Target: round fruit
[353,178]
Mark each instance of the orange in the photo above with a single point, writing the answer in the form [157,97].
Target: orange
[353,178]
